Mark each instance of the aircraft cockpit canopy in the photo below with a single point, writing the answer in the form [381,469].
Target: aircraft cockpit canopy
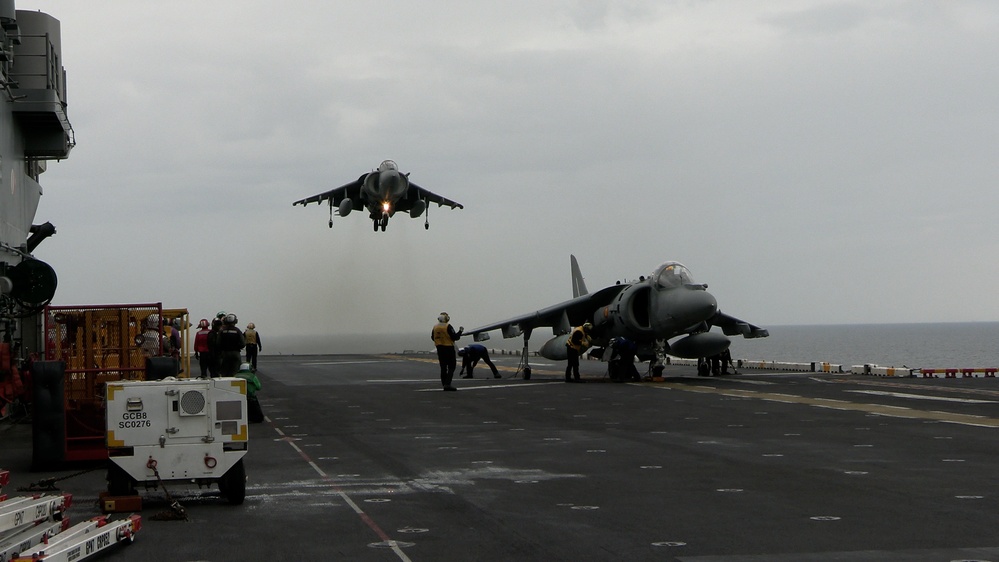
[671,275]
[387,165]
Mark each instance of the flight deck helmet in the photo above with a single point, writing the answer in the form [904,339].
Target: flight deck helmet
[444,318]
[230,319]
[203,323]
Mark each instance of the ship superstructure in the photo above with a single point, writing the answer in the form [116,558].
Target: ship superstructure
[34,130]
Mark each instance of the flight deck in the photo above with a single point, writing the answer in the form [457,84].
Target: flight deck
[365,458]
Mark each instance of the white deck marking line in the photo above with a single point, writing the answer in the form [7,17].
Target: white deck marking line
[402,380]
[350,362]
[923,396]
[492,386]
[879,409]
[346,499]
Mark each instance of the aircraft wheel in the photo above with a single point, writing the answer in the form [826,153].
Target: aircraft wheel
[527,373]
[657,371]
[426,226]
[375,222]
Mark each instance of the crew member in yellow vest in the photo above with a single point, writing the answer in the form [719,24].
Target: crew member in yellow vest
[253,344]
[576,345]
[444,337]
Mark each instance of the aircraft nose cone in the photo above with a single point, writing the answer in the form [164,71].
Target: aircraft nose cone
[390,182]
[694,306]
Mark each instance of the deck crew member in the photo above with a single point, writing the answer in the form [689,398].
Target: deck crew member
[254,413]
[470,357]
[578,342]
[201,351]
[253,344]
[444,337]
[231,343]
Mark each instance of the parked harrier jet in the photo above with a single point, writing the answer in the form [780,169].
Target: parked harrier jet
[649,312]
[383,192]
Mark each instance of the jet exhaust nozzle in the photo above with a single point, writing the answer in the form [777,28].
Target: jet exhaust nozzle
[704,344]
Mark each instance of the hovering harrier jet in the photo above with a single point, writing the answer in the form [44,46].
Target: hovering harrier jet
[383,192]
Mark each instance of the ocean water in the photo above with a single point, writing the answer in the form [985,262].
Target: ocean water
[930,345]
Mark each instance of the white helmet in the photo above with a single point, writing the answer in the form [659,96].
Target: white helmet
[153,322]
[230,319]
[444,318]
[244,366]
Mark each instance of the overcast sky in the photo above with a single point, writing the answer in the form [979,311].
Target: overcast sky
[813,162]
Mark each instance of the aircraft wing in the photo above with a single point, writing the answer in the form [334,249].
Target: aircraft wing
[351,190]
[559,317]
[732,326]
[432,197]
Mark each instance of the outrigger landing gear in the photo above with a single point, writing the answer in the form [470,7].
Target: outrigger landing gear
[658,365]
[523,366]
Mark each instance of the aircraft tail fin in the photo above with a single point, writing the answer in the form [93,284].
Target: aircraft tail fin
[578,285]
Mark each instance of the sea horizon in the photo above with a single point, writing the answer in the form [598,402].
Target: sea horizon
[913,345]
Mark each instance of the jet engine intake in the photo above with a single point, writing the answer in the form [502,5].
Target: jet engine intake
[554,348]
[634,308]
[704,344]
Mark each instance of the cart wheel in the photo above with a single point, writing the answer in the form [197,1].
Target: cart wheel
[233,484]
[119,482]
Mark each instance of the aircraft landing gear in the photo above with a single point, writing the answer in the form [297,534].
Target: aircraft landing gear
[523,366]
[375,222]
[658,365]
